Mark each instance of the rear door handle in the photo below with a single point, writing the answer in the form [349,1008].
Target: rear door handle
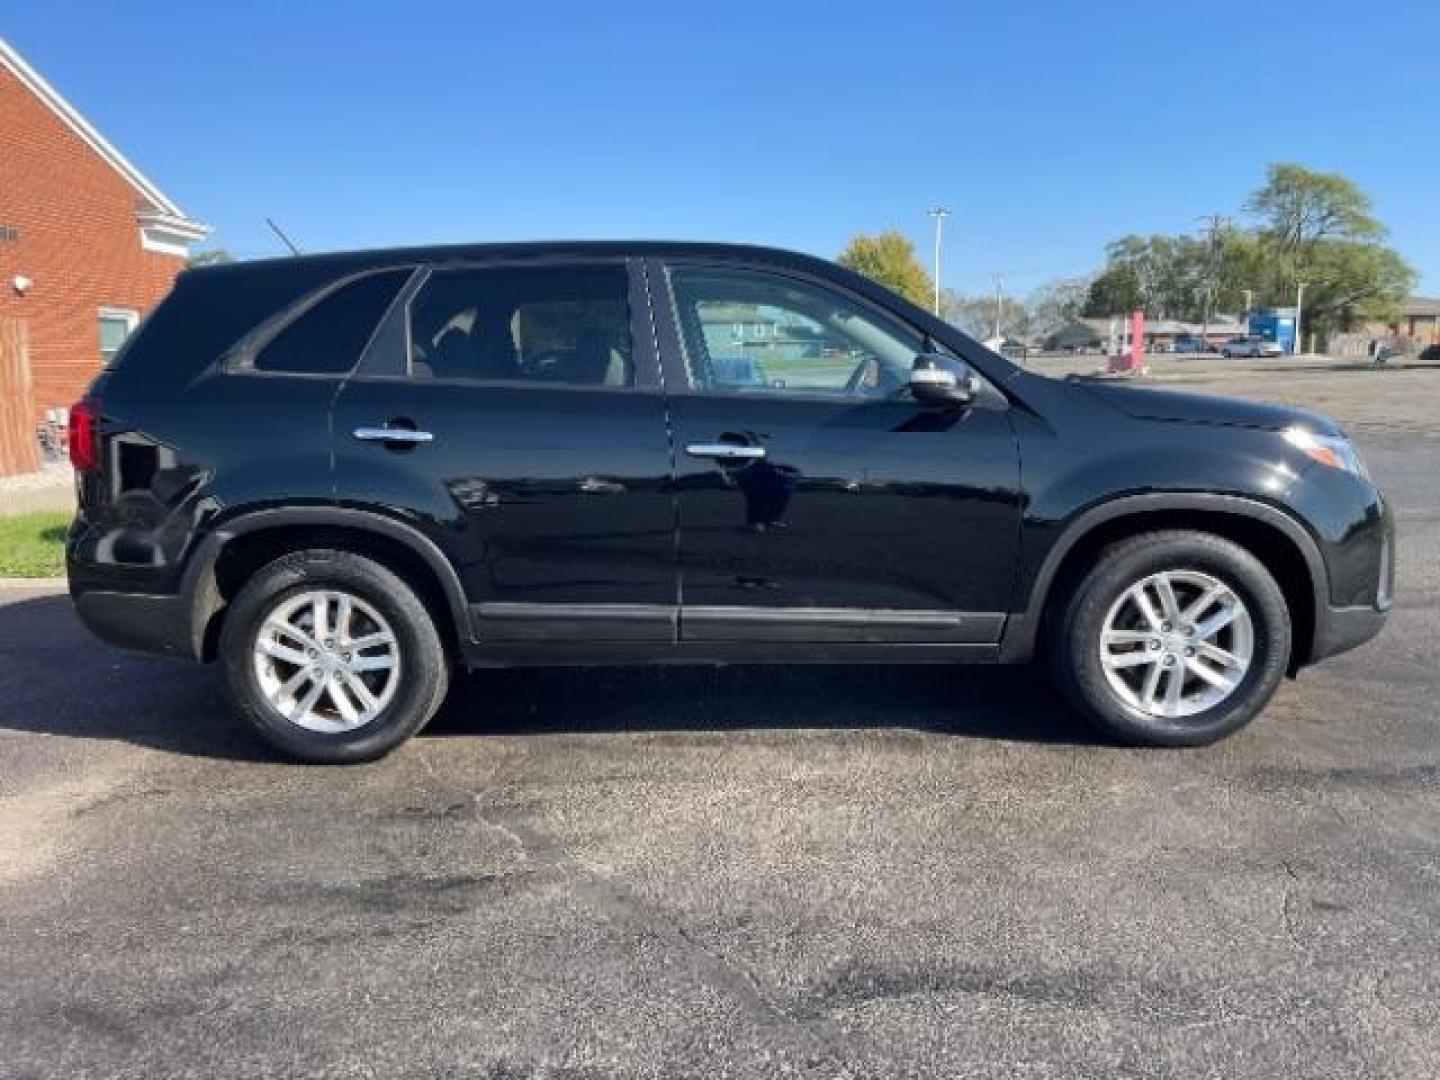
[403,436]
[726,451]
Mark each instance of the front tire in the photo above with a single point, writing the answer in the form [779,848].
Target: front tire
[1173,638]
[332,658]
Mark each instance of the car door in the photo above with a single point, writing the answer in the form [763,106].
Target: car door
[513,412]
[816,499]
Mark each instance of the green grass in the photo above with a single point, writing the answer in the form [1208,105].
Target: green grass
[33,545]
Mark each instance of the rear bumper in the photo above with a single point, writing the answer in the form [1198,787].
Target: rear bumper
[143,622]
[138,609]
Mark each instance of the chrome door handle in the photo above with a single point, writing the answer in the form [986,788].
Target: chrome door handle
[393,435]
[725,451]
[598,485]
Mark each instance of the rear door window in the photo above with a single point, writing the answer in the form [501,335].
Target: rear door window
[562,324]
[329,337]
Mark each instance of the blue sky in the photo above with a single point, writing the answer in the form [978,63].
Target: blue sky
[1048,128]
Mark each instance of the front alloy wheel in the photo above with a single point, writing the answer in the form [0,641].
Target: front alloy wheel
[1177,643]
[1172,638]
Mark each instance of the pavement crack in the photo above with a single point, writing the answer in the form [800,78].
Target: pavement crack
[734,977]
[522,850]
[727,976]
[1287,906]
[475,799]
[713,967]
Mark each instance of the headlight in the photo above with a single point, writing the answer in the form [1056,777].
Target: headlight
[1334,451]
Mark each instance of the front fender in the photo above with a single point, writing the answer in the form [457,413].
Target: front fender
[1036,587]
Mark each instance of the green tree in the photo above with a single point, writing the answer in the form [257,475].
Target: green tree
[1115,290]
[1300,207]
[213,257]
[1319,228]
[1057,303]
[976,315]
[889,258]
[1308,226]
[1167,277]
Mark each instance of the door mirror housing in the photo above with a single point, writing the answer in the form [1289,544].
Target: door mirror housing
[942,381]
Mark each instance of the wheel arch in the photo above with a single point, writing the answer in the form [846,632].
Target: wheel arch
[230,555]
[1277,539]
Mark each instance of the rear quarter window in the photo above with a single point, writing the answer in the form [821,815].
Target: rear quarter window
[328,337]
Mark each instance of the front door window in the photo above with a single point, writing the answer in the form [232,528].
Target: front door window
[751,331]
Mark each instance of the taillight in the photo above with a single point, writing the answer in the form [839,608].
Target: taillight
[84,435]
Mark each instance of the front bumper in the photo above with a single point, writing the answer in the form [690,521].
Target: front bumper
[1341,629]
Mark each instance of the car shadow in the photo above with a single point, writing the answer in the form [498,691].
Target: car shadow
[56,679]
[1011,704]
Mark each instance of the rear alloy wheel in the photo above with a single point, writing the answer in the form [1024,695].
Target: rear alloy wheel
[1172,639]
[332,657]
[327,661]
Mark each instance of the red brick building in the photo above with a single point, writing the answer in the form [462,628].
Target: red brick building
[87,244]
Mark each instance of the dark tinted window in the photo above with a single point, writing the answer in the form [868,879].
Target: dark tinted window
[555,325]
[328,339]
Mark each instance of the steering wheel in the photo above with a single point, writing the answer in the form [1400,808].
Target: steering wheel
[885,381]
[546,363]
[853,385]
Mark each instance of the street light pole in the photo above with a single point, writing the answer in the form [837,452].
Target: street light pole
[939,213]
[1299,307]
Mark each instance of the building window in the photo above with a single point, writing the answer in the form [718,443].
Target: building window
[115,327]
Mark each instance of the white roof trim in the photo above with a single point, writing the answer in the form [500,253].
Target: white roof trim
[179,225]
[32,80]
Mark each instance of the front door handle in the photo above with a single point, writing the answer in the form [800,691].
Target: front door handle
[726,451]
[402,436]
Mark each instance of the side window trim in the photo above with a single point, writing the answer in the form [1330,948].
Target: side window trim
[390,352]
[671,339]
[240,358]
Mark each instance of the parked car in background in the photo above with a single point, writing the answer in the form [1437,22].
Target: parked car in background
[343,476]
[1251,346]
[738,372]
[1190,343]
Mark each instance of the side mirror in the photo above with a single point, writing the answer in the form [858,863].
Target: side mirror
[936,379]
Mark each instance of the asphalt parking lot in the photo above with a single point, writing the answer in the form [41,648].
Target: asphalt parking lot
[738,872]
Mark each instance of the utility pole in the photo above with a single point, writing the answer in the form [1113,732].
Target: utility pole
[999,301]
[1299,307]
[1218,225]
[939,213]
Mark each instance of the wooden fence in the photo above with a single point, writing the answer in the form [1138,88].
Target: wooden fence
[19,447]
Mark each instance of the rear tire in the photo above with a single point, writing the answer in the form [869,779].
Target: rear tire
[332,657]
[1140,651]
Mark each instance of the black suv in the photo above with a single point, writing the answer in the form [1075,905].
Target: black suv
[341,475]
